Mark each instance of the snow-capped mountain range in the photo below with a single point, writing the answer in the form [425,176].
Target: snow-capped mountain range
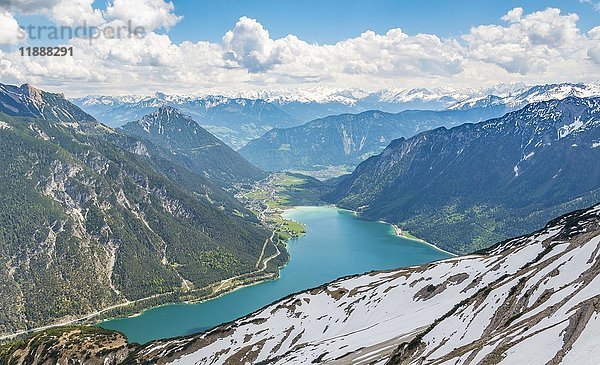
[510,94]
[238,117]
[355,96]
[522,97]
[320,95]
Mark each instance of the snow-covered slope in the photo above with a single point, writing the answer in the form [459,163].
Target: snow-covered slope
[547,313]
[530,300]
[521,97]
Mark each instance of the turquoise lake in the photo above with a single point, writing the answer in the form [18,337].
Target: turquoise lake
[337,243]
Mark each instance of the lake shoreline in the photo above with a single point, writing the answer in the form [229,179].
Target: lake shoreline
[311,216]
[275,276]
[397,230]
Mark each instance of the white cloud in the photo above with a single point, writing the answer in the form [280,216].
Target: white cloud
[540,47]
[10,33]
[513,15]
[249,45]
[530,43]
[76,12]
[29,6]
[594,50]
[150,14]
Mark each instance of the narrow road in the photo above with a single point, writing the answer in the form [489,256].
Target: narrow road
[262,252]
[223,283]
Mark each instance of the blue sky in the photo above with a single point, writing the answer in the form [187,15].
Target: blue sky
[334,20]
[329,21]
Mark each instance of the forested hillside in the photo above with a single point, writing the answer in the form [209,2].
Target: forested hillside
[467,187]
[90,217]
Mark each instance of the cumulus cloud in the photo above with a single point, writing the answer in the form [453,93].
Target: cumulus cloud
[76,12]
[249,45]
[150,14]
[594,50]
[10,32]
[529,43]
[397,53]
[544,46]
[513,15]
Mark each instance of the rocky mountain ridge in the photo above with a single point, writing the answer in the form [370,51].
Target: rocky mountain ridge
[92,218]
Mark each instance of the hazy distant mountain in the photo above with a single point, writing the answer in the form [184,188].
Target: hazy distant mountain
[467,187]
[348,139]
[193,146]
[233,120]
[238,117]
[319,102]
[299,105]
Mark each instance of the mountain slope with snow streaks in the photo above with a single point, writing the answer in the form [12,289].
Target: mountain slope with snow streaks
[530,300]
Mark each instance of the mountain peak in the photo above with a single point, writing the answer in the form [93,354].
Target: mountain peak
[30,90]
[165,120]
[197,148]
[167,109]
[160,95]
[28,101]
[167,114]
